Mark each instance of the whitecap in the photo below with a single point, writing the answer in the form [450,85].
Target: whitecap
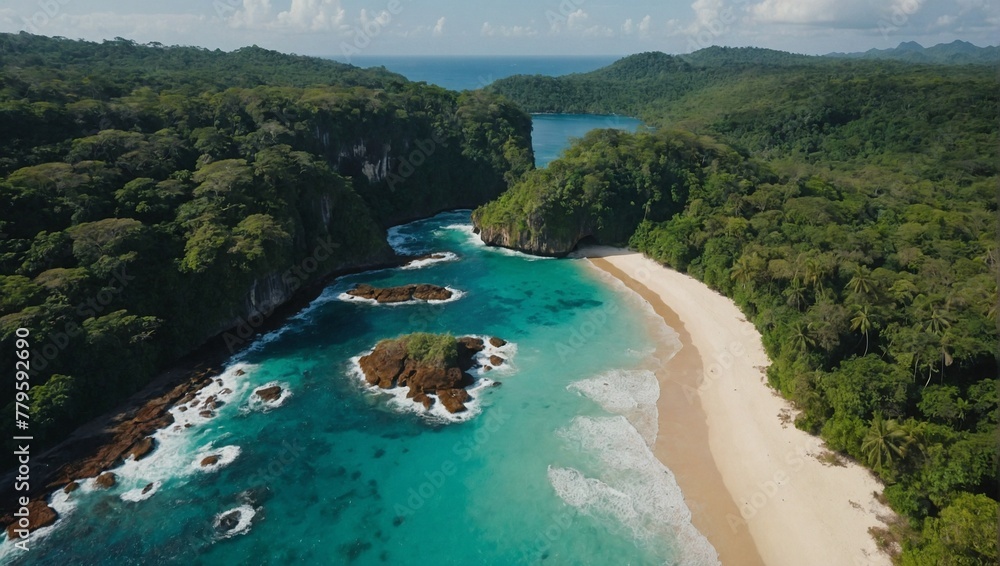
[246,514]
[256,403]
[443,257]
[226,454]
[629,393]
[141,493]
[633,488]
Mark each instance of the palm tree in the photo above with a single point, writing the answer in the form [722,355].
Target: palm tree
[741,271]
[862,282]
[862,321]
[801,337]
[795,295]
[884,441]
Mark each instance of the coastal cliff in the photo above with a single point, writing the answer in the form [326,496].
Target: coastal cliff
[602,188]
[161,209]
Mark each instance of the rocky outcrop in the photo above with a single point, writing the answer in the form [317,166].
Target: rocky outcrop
[39,515]
[106,480]
[401,294]
[130,436]
[536,238]
[269,394]
[141,449]
[391,365]
[210,460]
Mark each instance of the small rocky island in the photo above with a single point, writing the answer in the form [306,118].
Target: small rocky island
[401,294]
[428,364]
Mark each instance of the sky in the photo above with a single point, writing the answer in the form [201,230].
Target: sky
[346,28]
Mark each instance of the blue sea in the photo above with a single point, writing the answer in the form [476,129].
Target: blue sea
[550,465]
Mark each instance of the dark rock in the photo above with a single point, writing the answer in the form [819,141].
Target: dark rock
[496,361]
[106,480]
[497,342]
[142,448]
[269,394]
[207,413]
[228,521]
[240,372]
[147,489]
[209,460]
[454,399]
[401,294]
[71,487]
[39,515]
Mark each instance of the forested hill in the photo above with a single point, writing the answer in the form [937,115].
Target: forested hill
[850,209]
[955,53]
[151,197]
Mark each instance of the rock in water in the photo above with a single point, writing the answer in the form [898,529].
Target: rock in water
[269,394]
[39,515]
[497,342]
[496,361]
[106,480]
[209,460]
[390,365]
[401,294]
[454,399]
[229,521]
[140,449]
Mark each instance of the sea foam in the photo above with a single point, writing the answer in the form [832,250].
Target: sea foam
[629,393]
[633,488]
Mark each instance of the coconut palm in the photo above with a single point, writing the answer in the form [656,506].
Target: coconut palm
[884,442]
[862,322]
[862,282]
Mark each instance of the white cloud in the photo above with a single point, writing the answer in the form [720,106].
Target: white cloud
[945,21]
[312,15]
[627,27]
[644,25]
[490,30]
[577,19]
[439,27]
[301,15]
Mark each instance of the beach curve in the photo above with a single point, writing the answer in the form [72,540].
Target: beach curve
[754,483]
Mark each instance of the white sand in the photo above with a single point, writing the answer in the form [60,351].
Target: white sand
[798,510]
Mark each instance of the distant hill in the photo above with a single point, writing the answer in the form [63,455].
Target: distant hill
[957,52]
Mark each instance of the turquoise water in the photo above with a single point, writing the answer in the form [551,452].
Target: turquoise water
[551,468]
[552,133]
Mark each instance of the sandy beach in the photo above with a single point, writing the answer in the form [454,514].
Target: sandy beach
[752,480]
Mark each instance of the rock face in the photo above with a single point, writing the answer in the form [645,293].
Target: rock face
[39,515]
[390,365]
[401,294]
[106,480]
[142,448]
[269,394]
[536,239]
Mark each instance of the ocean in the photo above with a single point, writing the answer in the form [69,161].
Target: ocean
[551,464]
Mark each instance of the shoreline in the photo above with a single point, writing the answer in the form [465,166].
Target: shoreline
[100,442]
[753,482]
